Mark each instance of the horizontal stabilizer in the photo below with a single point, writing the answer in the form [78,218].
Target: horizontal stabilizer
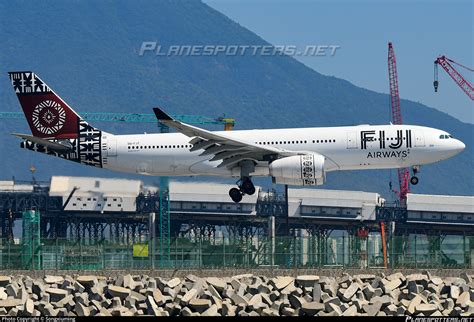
[49,144]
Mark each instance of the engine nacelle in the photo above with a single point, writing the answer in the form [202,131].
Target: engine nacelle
[299,170]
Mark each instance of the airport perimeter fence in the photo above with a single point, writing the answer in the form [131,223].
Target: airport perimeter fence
[415,251]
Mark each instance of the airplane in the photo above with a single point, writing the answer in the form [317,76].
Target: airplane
[292,156]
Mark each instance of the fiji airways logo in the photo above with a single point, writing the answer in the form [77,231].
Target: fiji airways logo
[395,146]
[49,117]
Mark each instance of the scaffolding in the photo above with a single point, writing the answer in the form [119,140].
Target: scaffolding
[31,240]
[414,251]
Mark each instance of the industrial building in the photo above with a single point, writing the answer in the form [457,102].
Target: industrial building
[83,222]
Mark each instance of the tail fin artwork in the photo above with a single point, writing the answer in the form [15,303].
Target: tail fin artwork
[47,114]
[57,129]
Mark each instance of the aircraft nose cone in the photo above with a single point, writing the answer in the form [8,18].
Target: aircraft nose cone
[459,146]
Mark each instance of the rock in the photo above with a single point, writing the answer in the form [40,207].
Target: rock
[317,293]
[186,312]
[290,288]
[349,293]
[255,302]
[9,303]
[189,295]
[51,279]
[5,280]
[200,305]
[312,308]
[218,283]
[117,291]
[385,300]
[151,306]
[335,308]
[56,294]
[214,292]
[351,311]
[228,309]
[464,276]
[235,284]
[436,280]
[29,308]
[269,312]
[288,311]
[264,288]
[49,310]
[137,296]
[82,310]
[12,289]
[426,309]
[13,312]
[128,282]
[307,280]
[463,300]
[372,309]
[158,297]
[454,292]
[78,287]
[393,284]
[3,294]
[237,299]
[296,301]
[212,311]
[172,283]
[281,282]
[88,281]
[391,310]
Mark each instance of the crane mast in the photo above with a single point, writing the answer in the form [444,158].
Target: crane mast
[403,173]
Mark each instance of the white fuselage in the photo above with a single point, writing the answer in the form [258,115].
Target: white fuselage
[344,148]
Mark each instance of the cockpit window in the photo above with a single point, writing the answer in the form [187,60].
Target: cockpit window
[445,136]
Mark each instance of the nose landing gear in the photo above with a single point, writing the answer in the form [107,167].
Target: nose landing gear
[414,179]
[245,187]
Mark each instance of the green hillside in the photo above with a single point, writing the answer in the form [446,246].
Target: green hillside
[88,52]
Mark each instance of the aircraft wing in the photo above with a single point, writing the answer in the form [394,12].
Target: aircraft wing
[49,144]
[229,150]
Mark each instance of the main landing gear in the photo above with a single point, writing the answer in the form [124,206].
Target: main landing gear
[245,186]
[414,179]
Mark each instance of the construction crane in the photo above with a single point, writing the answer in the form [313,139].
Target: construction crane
[446,63]
[403,173]
[164,220]
[138,118]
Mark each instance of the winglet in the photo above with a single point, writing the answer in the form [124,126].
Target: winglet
[161,116]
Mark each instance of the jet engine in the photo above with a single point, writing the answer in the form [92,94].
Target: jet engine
[299,170]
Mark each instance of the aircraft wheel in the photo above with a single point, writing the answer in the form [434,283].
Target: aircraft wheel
[248,187]
[414,180]
[235,195]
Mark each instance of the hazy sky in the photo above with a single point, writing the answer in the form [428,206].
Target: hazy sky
[419,30]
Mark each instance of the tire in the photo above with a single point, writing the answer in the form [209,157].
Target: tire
[248,187]
[235,195]
[414,180]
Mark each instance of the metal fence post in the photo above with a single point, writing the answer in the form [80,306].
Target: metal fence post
[344,251]
[416,257]
[223,248]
